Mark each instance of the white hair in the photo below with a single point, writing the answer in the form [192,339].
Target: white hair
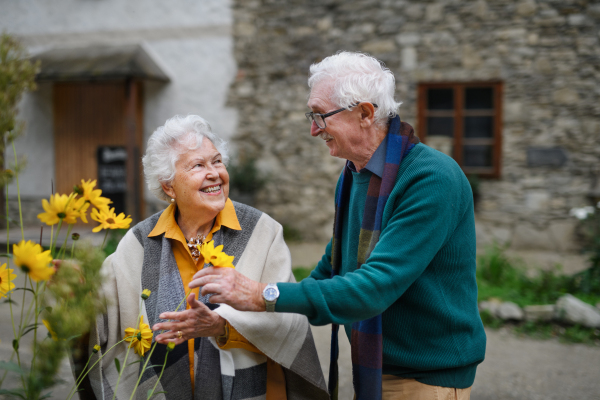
[358,77]
[178,135]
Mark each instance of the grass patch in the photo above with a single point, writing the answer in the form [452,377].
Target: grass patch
[302,272]
[506,279]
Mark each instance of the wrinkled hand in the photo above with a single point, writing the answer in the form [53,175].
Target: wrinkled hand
[230,287]
[198,321]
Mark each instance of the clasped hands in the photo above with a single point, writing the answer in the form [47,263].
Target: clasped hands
[227,286]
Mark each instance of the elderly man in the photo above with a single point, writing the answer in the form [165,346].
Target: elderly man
[399,271]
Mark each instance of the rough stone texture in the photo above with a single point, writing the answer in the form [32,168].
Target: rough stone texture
[539,313]
[571,309]
[491,306]
[509,310]
[546,53]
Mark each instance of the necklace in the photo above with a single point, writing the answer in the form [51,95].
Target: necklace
[193,246]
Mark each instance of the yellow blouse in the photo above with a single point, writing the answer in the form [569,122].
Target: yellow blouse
[187,268]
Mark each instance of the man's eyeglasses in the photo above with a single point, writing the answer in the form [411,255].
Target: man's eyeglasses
[320,118]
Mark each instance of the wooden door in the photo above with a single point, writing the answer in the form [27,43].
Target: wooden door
[88,115]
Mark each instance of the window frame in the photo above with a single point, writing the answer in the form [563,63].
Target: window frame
[458,113]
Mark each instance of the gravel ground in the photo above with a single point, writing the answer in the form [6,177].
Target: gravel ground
[514,368]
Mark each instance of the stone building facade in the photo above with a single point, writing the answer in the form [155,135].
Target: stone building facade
[545,53]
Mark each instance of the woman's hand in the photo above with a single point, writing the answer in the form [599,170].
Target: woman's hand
[198,321]
[230,287]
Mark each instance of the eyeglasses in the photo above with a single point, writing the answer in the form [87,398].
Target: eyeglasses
[320,118]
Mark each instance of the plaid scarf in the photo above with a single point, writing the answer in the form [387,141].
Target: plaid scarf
[367,341]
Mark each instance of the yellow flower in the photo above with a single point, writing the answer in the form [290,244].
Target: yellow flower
[96,349]
[109,220]
[60,207]
[31,258]
[6,278]
[50,330]
[170,346]
[81,206]
[92,195]
[140,338]
[146,294]
[215,255]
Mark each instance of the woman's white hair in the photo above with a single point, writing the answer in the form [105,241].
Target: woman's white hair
[358,77]
[177,136]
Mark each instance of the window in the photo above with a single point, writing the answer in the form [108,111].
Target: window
[463,120]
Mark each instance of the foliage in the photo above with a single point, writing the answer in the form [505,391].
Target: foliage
[506,279]
[301,272]
[114,237]
[291,234]
[245,177]
[17,75]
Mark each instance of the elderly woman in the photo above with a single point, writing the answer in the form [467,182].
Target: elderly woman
[220,353]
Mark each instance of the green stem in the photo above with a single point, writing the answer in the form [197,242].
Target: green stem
[127,353]
[105,236]
[63,249]
[160,376]
[82,376]
[18,190]
[144,369]
[53,244]
[72,249]
[35,320]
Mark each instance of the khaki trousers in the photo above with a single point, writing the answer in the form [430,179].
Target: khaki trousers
[395,388]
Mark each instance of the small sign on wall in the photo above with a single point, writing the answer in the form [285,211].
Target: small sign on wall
[112,174]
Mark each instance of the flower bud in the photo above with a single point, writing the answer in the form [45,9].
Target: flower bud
[75,236]
[78,189]
[146,294]
[170,346]
[96,349]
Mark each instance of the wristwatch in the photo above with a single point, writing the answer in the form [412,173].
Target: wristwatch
[270,294]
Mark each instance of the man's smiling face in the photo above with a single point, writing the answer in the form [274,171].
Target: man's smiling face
[342,134]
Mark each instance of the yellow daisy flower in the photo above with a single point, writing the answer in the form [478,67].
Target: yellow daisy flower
[60,207]
[31,258]
[109,220]
[50,330]
[141,338]
[81,206]
[96,349]
[215,255]
[91,195]
[6,278]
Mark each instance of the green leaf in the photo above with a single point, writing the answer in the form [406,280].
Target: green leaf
[152,366]
[118,365]
[135,362]
[10,301]
[29,328]
[73,337]
[6,255]
[15,344]
[12,392]
[11,366]
[49,309]
[46,396]
[24,288]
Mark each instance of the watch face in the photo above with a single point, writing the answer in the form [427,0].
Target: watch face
[270,294]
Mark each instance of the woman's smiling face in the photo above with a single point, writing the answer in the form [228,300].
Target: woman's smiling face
[201,180]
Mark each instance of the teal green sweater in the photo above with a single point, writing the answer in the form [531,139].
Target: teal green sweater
[420,275]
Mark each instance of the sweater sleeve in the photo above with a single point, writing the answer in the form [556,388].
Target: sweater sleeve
[323,268]
[422,221]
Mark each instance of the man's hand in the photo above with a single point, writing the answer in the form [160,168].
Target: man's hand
[198,321]
[230,287]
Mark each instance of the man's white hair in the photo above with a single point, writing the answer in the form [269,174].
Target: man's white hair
[357,77]
[177,136]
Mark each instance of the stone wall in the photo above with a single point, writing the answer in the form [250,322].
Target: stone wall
[547,53]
